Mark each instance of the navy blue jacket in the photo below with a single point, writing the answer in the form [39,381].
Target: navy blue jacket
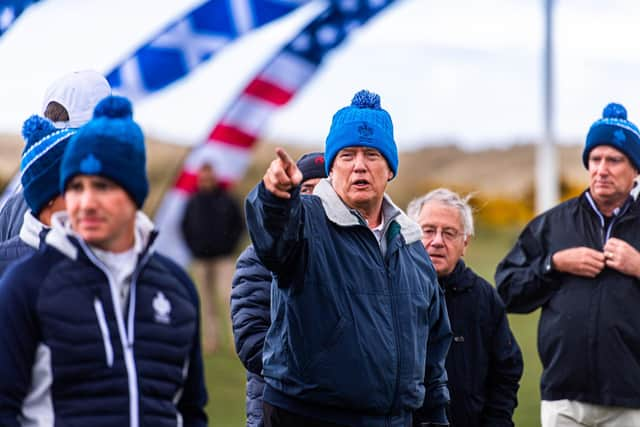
[70,355]
[484,363]
[250,305]
[353,322]
[589,331]
[11,216]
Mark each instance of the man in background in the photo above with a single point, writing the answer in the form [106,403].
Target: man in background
[484,363]
[69,103]
[212,225]
[39,176]
[580,263]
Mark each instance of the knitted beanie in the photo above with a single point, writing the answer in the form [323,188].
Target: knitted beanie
[110,145]
[312,166]
[615,130]
[40,163]
[362,124]
[78,93]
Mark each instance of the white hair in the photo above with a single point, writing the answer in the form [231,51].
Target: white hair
[448,198]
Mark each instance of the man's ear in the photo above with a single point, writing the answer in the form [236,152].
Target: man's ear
[465,244]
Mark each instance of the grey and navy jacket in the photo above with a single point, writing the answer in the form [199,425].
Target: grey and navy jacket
[484,363]
[71,355]
[11,215]
[24,244]
[589,328]
[352,325]
[250,305]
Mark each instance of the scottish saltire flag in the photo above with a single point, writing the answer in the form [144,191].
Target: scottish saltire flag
[228,147]
[10,10]
[190,40]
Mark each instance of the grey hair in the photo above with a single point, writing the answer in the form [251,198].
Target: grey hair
[449,198]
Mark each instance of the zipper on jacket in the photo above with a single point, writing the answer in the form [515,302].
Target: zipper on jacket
[605,234]
[104,330]
[125,340]
[394,313]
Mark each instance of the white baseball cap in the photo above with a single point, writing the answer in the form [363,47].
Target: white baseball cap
[78,92]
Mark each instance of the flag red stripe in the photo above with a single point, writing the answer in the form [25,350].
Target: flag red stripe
[231,135]
[187,182]
[268,91]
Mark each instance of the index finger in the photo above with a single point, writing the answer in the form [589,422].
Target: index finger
[284,157]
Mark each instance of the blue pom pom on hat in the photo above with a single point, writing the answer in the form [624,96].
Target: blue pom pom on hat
[615,130]
[41,159]
[364,123]
[111,145]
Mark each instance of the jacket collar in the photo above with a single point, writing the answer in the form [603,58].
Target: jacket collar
[63,238]
[627,207]
[456,281]
[340,214]
[31,230]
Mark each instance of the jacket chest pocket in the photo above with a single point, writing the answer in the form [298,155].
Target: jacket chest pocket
[104,331]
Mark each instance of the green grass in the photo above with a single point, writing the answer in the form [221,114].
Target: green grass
[226,386]
[226,377]
[483,255]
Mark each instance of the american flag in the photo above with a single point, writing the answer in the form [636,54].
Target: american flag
[190,40]
[228,147]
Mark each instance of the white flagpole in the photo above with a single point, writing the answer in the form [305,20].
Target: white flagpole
[546,158]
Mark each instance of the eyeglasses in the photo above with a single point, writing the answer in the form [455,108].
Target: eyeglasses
[448,234]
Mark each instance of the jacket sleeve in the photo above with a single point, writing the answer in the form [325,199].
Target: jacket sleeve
[11,216]
[194,397]
[524,278]
[250,309]
[19,338]
[436,398]
[505,371]
[276,228]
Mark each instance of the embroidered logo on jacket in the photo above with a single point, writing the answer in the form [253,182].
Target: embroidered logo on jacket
[162,308]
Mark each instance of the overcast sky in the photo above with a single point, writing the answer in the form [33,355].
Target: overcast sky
[464,71]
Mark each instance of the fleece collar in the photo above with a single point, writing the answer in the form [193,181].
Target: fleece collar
[31,229]
[340,214]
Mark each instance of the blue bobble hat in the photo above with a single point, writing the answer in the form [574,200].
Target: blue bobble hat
[615,130]
[110,145]
[362,124]
[41,158]
[312,166]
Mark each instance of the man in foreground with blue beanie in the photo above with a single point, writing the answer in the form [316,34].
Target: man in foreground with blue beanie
[580,263]
[356,306]
[98,329]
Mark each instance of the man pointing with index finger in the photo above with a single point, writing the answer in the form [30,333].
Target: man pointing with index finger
[282,175]
[356,308]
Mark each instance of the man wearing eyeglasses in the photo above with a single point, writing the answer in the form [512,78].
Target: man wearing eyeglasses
[484,363]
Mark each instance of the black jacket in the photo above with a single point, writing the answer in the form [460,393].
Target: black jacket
[589,331]
[484,363]
[212,224]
